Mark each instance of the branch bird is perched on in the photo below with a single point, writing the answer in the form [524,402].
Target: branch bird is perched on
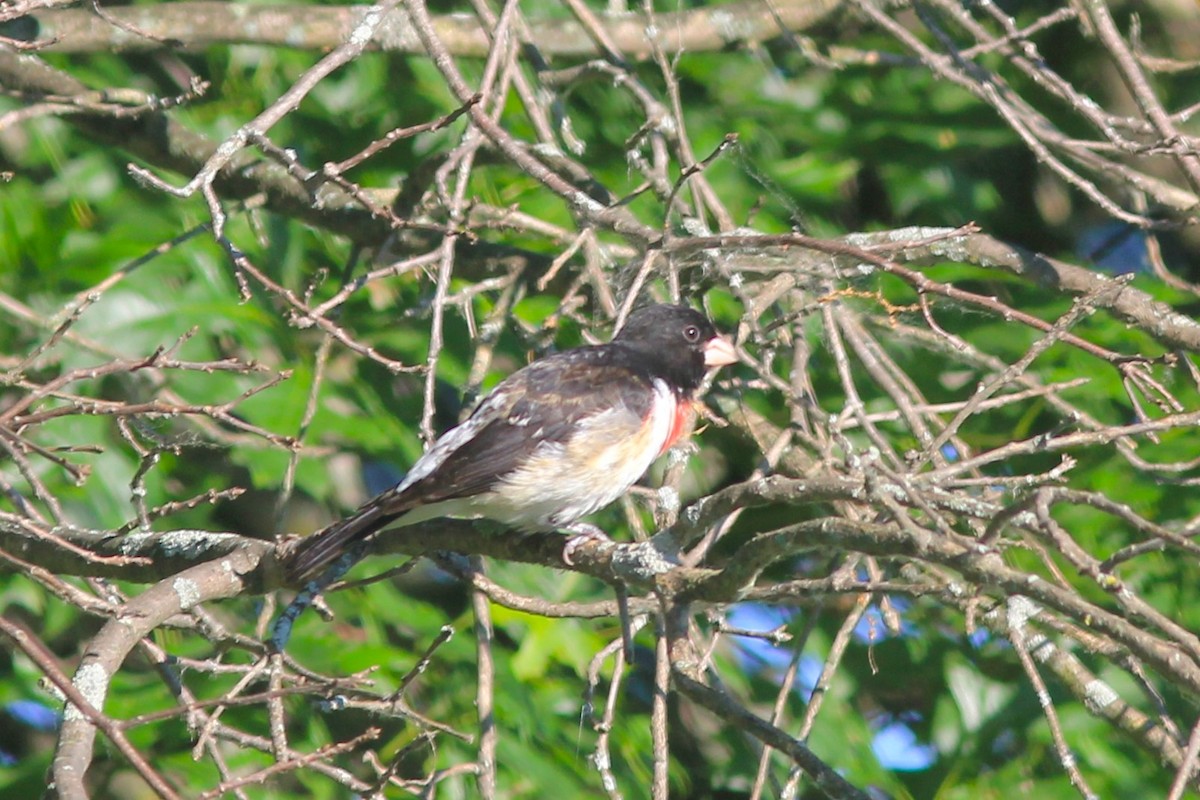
[555,441]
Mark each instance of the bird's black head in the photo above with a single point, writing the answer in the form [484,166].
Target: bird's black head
[676,343]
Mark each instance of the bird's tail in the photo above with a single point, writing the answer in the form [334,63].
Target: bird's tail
[311,555]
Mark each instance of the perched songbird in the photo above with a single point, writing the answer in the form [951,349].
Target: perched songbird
[555,441]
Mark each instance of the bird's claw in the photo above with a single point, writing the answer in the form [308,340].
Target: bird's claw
[583,533]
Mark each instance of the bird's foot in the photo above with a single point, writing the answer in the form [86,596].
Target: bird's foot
[582,533]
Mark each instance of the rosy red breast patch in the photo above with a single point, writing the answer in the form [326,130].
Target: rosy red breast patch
[681,425]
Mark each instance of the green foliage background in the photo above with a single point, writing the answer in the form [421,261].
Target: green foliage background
[830,151]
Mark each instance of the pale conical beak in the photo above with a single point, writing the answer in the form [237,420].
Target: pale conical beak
[719,352]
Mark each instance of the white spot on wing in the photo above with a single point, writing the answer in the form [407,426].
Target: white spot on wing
[487,412]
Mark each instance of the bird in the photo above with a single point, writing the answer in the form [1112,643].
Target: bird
[558,439]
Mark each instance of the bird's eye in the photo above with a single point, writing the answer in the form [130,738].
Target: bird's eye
[691,333]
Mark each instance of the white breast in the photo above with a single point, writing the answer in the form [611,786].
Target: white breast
[563,482]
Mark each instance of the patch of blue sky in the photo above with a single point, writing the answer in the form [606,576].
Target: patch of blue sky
[897,748]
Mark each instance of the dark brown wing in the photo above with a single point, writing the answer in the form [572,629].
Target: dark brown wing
[542,403]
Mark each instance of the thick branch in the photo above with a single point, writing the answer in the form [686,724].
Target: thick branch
[202,24]
[105,654]
[920,246]
[978,564]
